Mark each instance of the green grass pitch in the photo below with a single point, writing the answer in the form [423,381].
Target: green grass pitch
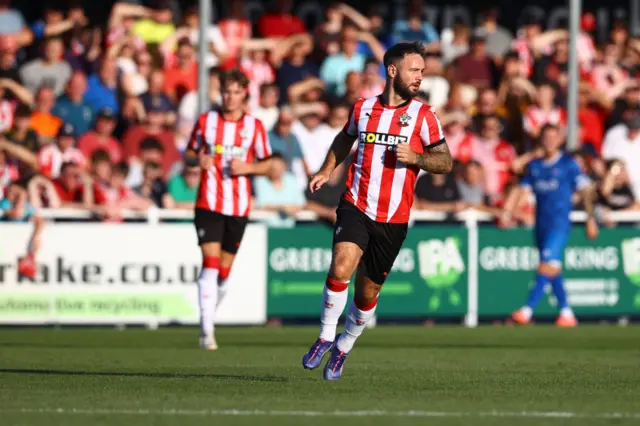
[396,376]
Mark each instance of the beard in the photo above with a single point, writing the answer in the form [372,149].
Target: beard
[404,90]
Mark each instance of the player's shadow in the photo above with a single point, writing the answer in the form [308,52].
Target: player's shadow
[223,377]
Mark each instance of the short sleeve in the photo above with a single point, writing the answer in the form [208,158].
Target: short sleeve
[431,130]
[527,180]
[261,143]
[196,140]
[351,128]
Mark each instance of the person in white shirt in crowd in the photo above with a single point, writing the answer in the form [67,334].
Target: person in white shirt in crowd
[433,81]
[623,142]
[314,135]
[267,110]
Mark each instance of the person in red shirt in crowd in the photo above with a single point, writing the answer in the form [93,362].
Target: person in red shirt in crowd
[110,192]
[591,121]
[454,125]
[279,22]
[153,128]
[235,29]
[71,186]
[101,138]
[493,153]
[544,111]
[182,77]
[52,156]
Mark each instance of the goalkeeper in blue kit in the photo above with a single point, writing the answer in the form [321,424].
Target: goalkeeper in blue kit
[553,179]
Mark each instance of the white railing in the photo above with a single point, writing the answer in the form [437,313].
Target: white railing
[154,215]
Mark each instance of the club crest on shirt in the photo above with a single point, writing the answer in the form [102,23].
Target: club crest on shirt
[243,134]
[404,120]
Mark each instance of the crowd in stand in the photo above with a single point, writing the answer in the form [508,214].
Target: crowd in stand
[97,117]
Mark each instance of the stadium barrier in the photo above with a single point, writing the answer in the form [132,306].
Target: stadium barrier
[144,273]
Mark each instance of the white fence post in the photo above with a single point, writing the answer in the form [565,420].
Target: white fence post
[471,222]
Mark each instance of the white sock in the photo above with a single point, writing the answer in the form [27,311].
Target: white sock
[207,296]
[357,319]
[566,312]
[223,286]
[333,304]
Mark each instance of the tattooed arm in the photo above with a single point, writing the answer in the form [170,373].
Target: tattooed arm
[436,159]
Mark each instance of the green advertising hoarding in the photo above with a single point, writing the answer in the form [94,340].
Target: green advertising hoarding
[429,277]
[602,277]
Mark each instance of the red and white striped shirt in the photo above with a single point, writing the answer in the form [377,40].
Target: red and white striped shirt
[245,140]
[534,118]
[51,159]
[378,184]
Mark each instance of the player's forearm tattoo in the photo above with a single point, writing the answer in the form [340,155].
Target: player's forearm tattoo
[436,160]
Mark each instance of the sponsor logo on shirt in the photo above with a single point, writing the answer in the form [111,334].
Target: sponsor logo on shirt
[231,151]
[382,138]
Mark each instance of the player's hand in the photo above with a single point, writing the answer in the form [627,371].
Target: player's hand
[406,154]
[317,181]
[206,161]
[592,229]
[240,168]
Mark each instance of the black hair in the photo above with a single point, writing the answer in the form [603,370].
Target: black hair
[235,76]
[149,143]
[99,156]
[402,49]
[122,168]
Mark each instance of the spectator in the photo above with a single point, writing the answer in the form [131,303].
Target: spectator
[111,193]
[235,28]
[121,25]
[296,67]
[72,190]
[353,89]
[182,77]
[438,193]
[487,105]
[158,25]
[623,142]
[475,68]
[591,121]
[471,188]
[183,188]
[286,144]
[455,42]
[151,151]
[214,38]
[15,207]
[255,65]
[279,192]
[315,137]
[372,83]
[43,122]
[101,138]
[53,156]
[498,39]
[153,186]
[11,20]
[102,88]
[51,70]
[8,59]
[608,76]
[71,108]
[21,142]
[324,202]
[435,86]
[335,67]
[8,173]
[156,98]
[279,22]
[630,99]
[154,128]
[414,27]
[494,154]
[544,112]
[454,125]
[268,111]
[136,75]
[615,192]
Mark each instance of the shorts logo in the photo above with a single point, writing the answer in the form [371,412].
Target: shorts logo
[338,229]
[382,138]
[201,233]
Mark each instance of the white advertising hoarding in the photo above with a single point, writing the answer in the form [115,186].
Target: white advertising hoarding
[124,274]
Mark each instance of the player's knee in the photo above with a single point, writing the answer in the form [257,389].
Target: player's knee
[549,269]
[341,270]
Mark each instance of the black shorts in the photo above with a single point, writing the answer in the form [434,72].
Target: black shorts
[212,227]
[380,242]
